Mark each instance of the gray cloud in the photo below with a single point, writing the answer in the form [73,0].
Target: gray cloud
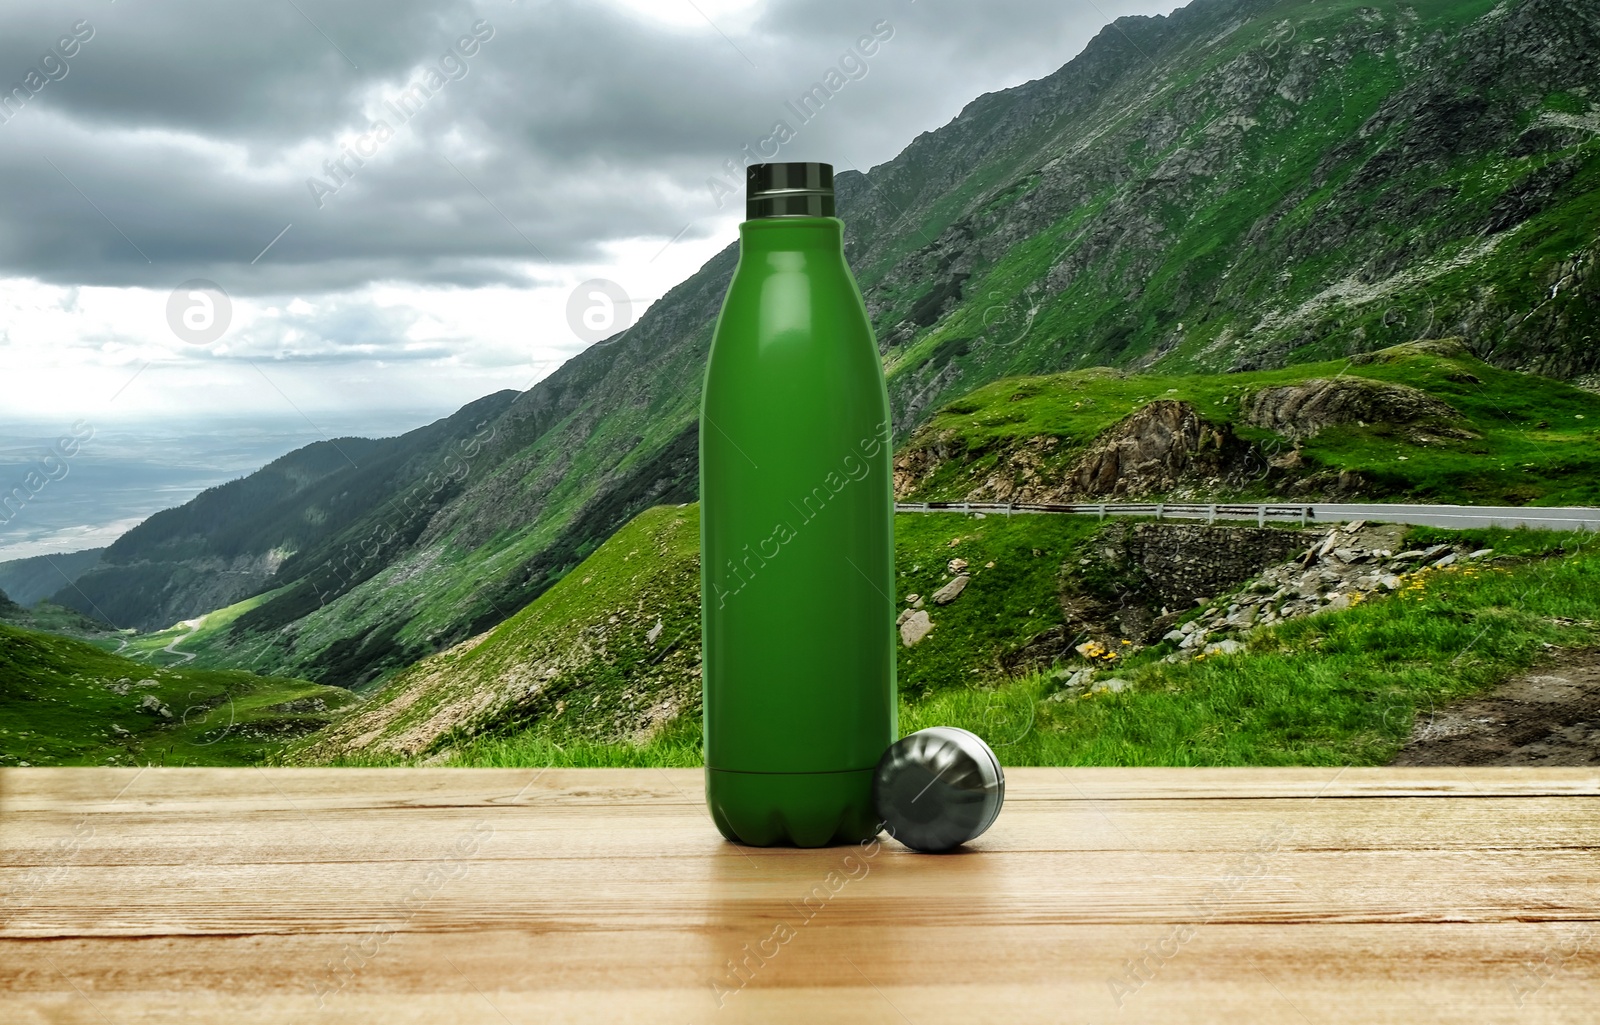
[184,133]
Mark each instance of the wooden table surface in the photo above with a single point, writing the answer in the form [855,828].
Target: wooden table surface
[1100,895]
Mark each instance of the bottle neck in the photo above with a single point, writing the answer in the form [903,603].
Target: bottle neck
[792,234]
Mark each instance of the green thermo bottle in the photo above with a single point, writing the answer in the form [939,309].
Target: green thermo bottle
[796,531]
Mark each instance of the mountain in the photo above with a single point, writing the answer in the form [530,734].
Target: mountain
[40,576]
[1252,184]
[1242,184]
[230,540]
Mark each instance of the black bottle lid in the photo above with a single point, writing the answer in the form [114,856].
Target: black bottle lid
[792,189]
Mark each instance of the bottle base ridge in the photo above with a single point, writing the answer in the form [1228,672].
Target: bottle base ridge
[798,809]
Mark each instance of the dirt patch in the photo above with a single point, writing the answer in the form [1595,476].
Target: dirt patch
[1550,716]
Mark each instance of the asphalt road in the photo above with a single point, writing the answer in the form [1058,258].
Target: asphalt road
[1572,517]
[1457,516]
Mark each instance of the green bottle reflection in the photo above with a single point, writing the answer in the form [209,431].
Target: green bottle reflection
[796,531]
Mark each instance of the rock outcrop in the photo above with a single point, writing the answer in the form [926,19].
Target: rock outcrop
[1302,409]
[1158,449]
[1163,448]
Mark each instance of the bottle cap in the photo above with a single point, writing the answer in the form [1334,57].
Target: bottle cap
[938,788]
[793,189]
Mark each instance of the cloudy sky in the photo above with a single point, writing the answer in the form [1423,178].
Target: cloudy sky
[397,200]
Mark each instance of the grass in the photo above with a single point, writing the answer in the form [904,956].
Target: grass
[60,700]
[587,640]
[1337,688]
[1003,607]
[678,747]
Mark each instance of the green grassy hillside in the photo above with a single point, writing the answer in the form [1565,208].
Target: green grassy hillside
[1336,688]
[609,658]
[1333,689]
[604,667]
[53,618]
[203,637]
[610,651]
[65,702]
[1527,439]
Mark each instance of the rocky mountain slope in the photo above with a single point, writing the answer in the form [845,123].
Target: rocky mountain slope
[1255,183]
[1241,184]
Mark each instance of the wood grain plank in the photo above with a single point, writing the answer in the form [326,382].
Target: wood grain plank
[605,895]
[81,789]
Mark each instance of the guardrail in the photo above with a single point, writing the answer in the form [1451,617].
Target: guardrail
[1210,512]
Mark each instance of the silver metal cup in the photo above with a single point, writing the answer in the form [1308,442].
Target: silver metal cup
[938,788]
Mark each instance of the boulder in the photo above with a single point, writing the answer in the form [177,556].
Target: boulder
[949,592]
[1244,619]
[915,628]
[152,705]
